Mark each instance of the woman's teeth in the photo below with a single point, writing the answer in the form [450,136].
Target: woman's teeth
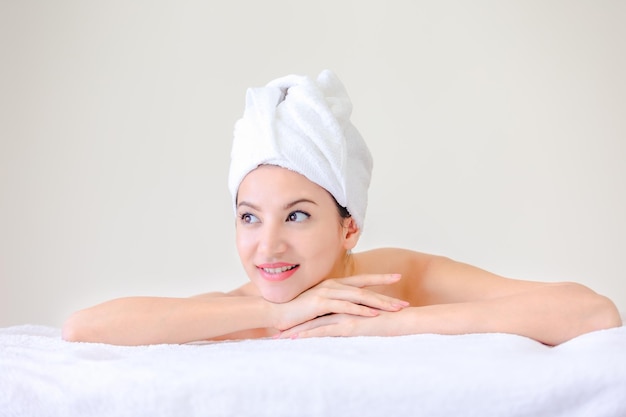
[279,270]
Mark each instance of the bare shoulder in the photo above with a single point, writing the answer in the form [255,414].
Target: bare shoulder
[441,280]
[392,260]
[433,279]
[410,264]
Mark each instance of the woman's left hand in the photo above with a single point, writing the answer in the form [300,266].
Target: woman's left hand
[385,324]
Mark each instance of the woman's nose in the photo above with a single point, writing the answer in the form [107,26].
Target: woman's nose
[272,240]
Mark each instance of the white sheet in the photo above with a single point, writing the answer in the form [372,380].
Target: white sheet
[421,375]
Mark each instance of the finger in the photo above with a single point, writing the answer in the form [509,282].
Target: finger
[304,328]
[333,330]
[348,307]
[367,280]
[367,298]
[338,310]
[337,325]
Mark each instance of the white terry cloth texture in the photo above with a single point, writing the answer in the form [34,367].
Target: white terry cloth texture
[482,375]
[304,125]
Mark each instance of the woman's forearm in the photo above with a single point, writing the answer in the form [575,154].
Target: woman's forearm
[152,320]
[551,314]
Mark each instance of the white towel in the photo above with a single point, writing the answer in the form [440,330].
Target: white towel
[304,125]
[482,375]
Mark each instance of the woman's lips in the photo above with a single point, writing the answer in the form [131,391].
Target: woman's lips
[276,272]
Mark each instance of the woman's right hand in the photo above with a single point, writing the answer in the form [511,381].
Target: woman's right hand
[337,296]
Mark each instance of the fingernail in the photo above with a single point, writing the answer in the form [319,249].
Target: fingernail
[399,304]
[395,276]
[294,336]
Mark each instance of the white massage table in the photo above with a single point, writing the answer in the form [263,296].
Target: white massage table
[422,375]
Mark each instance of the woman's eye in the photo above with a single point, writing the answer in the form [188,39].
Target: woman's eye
[249,218]
[297,216]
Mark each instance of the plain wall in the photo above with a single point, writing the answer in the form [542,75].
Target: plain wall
[498,131]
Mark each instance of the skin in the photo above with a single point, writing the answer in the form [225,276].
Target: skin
[304,282]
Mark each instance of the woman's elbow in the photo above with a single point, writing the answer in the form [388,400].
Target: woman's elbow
[597,311]
[605,314]
[583,311]
[75,328]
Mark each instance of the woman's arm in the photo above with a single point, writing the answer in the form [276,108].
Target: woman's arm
[152,320]
[551,314]
[459,298]
[484,302]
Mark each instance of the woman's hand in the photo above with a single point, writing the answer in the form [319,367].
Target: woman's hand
[384,324]
[347,296]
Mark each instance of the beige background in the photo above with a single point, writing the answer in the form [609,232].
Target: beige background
[498,131]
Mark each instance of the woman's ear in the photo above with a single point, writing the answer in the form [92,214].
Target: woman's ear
[351,233]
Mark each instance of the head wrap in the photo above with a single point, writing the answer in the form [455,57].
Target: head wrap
[304,125]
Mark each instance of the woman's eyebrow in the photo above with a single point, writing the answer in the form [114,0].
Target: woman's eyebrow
[285,207]
[302,200]
[245,203]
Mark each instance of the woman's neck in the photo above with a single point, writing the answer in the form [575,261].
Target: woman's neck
[344,267]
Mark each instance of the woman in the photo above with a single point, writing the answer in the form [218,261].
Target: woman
[299,177]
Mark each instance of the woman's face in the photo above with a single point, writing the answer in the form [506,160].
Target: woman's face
[290,236]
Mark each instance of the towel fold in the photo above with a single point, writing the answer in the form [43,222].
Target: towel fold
[304,125]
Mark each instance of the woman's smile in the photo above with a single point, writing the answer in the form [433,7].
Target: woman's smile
[275,272]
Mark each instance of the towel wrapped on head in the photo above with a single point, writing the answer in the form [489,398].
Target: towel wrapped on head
[304,125]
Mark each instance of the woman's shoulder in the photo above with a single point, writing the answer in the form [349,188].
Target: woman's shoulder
[410,264]
[390,259]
